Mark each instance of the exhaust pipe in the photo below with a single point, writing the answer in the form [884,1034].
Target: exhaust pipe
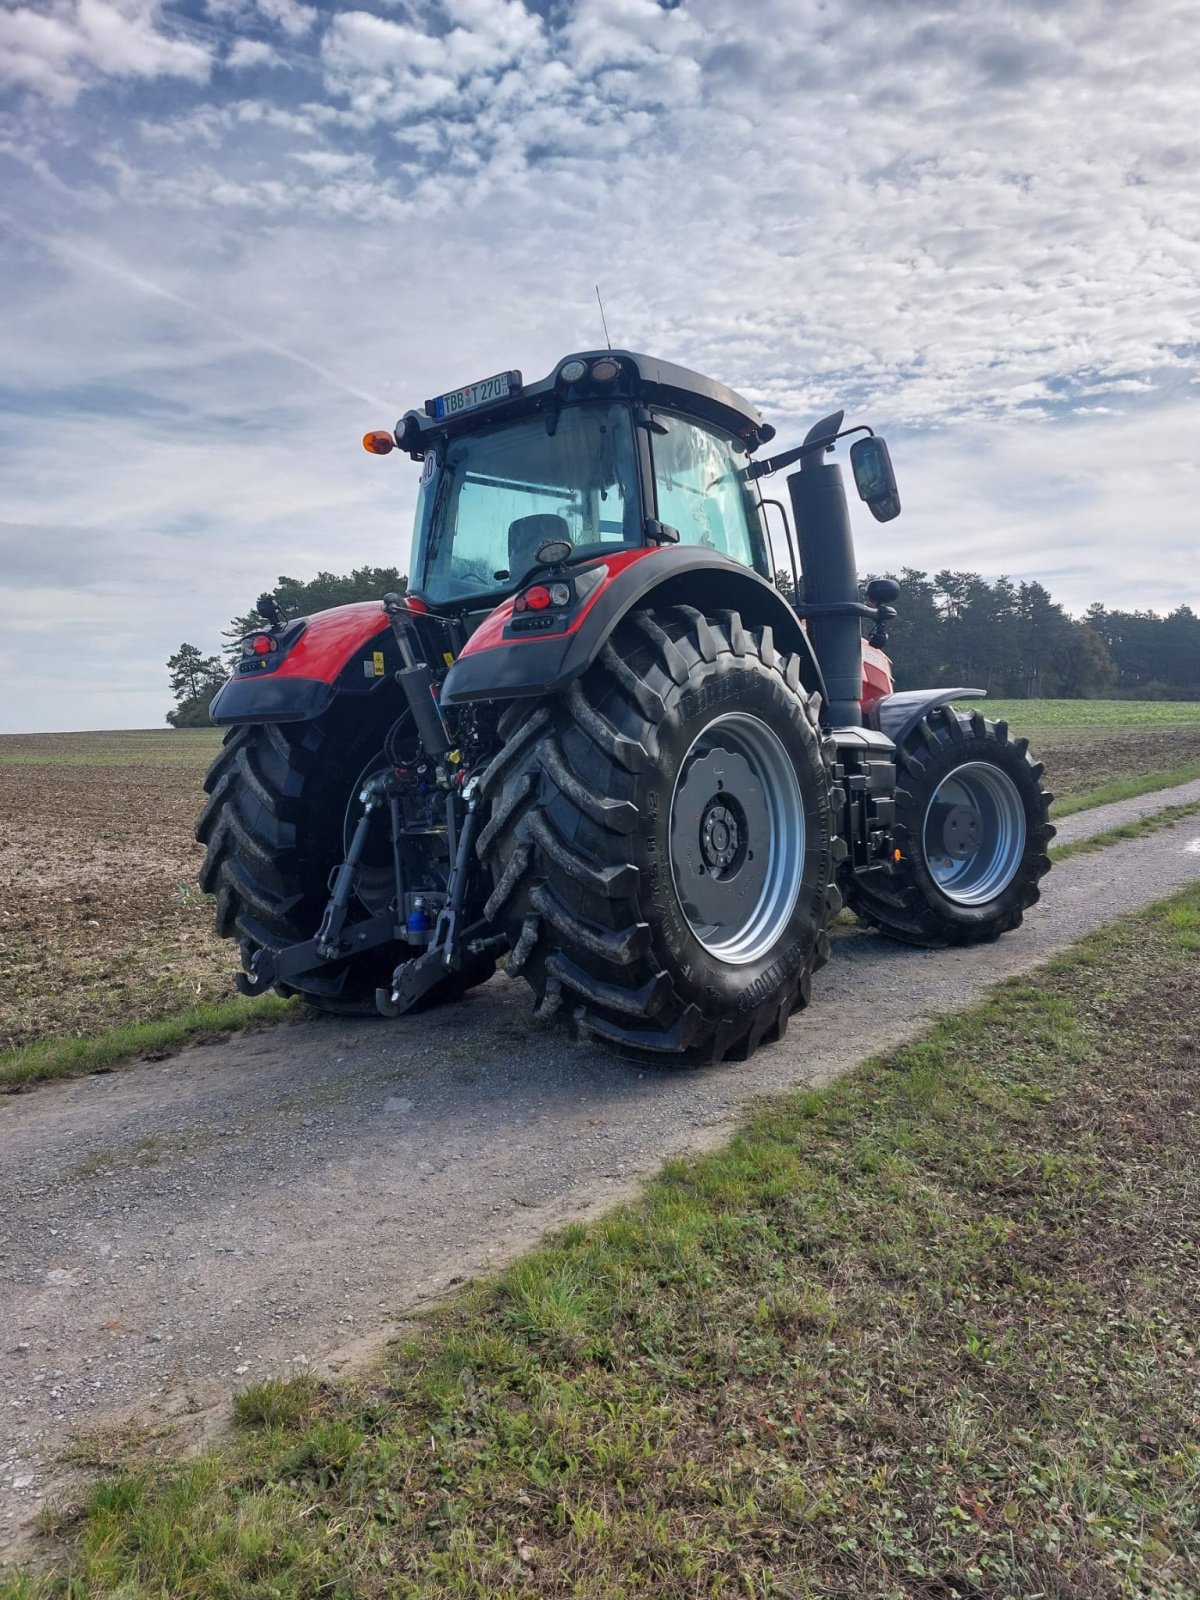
[830,576]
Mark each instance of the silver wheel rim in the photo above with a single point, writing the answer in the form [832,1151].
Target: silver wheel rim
[974,833]
[736,838]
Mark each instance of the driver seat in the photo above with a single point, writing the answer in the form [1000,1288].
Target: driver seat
[527,535]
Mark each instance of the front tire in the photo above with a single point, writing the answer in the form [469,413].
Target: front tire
[972,826]
[662,840]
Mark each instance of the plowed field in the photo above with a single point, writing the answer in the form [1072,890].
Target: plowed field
[101,922]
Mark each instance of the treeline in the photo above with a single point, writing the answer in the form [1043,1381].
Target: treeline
[1017,642]
[1011,639]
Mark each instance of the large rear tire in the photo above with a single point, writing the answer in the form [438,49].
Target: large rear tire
[972,827]
[662,840]
[281,798]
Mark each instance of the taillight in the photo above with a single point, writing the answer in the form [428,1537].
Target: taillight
[537,598]
[262,644]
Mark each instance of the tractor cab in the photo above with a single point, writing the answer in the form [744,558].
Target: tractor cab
[613,452]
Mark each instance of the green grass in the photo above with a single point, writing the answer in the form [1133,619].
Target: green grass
[1025,715]
[66,1058]
[927,1332]
[128,747]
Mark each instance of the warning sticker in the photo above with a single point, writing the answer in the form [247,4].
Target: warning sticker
[377,658]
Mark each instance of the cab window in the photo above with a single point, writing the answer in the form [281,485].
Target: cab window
[702,490]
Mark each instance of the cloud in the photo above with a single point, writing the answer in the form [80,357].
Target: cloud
[58,49]
[252,53]
[328,162]
[973,224]
[295,19]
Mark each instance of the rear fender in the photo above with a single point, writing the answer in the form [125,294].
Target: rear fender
[898,714]
[349,650]
[497,663]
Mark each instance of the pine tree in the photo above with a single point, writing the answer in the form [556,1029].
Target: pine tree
[195,678]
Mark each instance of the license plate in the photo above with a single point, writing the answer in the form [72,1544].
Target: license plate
[483,393]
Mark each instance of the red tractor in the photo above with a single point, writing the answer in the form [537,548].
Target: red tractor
[596,737]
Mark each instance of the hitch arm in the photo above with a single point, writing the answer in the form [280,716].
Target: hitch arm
[414,979]
[328,939]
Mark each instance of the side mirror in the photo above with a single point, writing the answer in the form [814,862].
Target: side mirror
[874,478]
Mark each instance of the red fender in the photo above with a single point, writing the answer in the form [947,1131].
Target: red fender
[347,649]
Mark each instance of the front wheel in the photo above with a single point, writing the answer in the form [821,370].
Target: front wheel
[972,827]
[662,840]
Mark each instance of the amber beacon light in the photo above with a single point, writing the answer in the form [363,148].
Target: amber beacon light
[379,442]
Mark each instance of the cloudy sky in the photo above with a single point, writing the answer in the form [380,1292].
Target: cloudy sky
[234,234]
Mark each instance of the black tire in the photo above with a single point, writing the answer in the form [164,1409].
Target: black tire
[580,835]
[910,904]
[275,827]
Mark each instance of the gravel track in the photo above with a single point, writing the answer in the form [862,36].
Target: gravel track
[276,1201]
[1083,824]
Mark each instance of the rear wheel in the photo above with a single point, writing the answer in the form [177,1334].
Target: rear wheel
[662,840]
[282,805]
[972,827]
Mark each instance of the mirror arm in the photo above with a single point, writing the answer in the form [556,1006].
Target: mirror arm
[839,608]
[769,464]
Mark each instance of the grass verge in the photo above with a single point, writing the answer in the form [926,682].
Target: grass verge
[1127,788]
[929,1331]
[65,1058]
[1154,823]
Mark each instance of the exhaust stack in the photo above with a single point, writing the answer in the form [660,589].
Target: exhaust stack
[830,576]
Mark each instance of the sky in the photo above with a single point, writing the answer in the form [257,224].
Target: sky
[236,234]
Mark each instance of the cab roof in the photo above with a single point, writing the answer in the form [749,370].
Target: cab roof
[641,378]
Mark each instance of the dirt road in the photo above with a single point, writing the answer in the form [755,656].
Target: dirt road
[178,1229]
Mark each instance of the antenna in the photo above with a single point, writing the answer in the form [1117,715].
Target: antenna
[603,318]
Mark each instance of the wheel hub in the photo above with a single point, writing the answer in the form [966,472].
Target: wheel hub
[961,830]
[721,834]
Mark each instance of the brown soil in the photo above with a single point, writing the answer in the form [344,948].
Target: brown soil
[1079,760]
[101,922]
